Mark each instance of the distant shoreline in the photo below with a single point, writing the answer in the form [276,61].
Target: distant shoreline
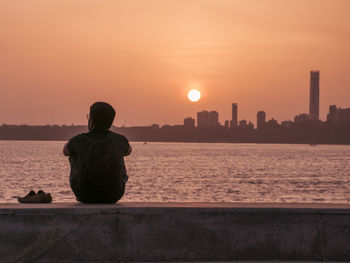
[210,142]
[304,133]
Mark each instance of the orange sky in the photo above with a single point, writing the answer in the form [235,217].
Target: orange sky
[59,56]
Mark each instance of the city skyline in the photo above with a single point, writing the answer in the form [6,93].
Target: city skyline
[142,57]
[210,118]
[313,113]
[207,118]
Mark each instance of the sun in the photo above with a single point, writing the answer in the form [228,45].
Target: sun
[194,95]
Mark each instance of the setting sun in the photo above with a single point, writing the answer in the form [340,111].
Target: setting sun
[194,95]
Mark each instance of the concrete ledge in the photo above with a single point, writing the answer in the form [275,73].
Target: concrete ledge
[69,232]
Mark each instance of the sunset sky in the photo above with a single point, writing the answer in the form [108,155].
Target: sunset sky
[142,56]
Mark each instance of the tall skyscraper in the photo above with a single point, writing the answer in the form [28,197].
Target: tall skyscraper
[314,95]
[261,119]
[234,121]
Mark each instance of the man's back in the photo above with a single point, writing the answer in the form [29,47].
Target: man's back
[98,172]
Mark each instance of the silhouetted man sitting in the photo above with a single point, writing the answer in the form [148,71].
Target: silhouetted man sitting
[98,173]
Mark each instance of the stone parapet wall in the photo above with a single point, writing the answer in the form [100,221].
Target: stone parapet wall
[71,232]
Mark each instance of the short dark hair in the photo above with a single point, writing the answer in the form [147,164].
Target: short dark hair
[102,115]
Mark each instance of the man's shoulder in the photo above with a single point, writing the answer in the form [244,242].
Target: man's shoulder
[118,136]
[122,142]
[88,137]
[79,137]
[75,143]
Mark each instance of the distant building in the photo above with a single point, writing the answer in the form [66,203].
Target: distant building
[202,118]
[338,115]
[314,95]
[189,122]
[261,119]
[234,121]
[301,118]
[208,119]
[286,124]
[343,116]
[243,123]
[213,119]
[250,125]
[272,123]
[227,124]
[155,126]
[332,115]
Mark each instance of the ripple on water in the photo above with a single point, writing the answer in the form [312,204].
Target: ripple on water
[168,172]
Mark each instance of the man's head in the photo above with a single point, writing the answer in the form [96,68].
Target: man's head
[101,116]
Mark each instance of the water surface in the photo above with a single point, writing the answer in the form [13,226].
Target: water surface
[206,172]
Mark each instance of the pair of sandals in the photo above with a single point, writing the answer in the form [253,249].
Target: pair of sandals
[39,197]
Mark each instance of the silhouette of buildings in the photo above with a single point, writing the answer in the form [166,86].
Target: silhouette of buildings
[309,132]
[243,124]
[246,125]
[314,95]
[331,117]
[250,125]
[234,121]
[286,124]
[189,122]
[301,118]
[261,119]
[305,128]
[272,123]
[343,116]
[208,119]
[338,115]
[155,126]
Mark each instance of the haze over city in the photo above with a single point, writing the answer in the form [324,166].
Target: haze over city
[58,57]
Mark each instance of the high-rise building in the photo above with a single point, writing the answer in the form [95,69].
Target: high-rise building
[338,115]
[189,122]
[234,121]
[213,119]
[261,119]
[343,116]
[207,119]
[314,95]
[332,115]
[202,118]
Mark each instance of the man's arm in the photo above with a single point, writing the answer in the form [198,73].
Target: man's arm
[128,151]
[65,150]
[126,145]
